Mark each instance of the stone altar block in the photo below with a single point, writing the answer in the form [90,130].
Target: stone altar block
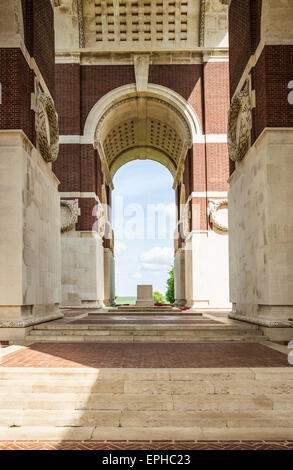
[144,296]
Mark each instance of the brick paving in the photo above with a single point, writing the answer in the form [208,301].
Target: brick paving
[145,320]
[146,445]
[146,355]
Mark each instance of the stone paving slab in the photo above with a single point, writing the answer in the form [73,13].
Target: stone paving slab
[146,355]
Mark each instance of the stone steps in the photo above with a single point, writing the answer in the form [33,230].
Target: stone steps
[144,333]
[132,402]
[82,403]
[158,418]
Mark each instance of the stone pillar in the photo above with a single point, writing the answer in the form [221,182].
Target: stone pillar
[261,147]
[29,142]
[206,271]
[29,238]
[82,269]
[109,274]
[179,278]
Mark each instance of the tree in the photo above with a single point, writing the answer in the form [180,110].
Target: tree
[170,287]
[158,298]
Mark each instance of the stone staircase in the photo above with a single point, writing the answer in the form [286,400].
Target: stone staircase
[176,333]
[150,404]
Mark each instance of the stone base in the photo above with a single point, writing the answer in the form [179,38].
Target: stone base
[180,303]
[271,316]
[144,303]
[82,256]
[15,322]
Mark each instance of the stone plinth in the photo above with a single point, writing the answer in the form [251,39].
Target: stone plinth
[82,269]
[145,296]
[29,239]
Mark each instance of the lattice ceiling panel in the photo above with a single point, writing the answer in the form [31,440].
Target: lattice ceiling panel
[151,133]
[130,23]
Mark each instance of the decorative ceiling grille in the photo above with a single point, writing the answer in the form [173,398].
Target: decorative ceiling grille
[152,133]
[144,21]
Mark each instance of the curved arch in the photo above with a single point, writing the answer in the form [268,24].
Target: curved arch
[127,91]
[143,153]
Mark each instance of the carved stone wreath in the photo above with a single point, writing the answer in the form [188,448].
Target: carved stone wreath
[239,125]
[100,225]
[70,215]
[47,129]
[214,207]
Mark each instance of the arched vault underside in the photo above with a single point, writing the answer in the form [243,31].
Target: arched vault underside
[142,126]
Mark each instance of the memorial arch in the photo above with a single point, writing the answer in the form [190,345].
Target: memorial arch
[140,81]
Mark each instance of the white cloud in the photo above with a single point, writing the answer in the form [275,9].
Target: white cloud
[158,256]
[120,247]
[154,267]
[137,275]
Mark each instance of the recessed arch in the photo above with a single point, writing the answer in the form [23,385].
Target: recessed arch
[128,91]
[157,124]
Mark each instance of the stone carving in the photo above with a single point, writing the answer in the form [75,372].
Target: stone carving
[80,23]
[202,22]
[101,222]
[239,125]
[47,129]
[215,221]
[69,214]
[19,18]
[186,220]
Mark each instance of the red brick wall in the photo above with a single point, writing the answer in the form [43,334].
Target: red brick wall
[184,79]
[86,220]
[272,74]
[216,97]
[97,80]
[39,36]
[67,167]
[244,36]
[199,168]
[17,85]
[217,167]
[67,98]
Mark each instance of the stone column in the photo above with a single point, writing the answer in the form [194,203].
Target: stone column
[260,141]
[179,278]
[82,269]
[109,273]
[29,143]
[29,238]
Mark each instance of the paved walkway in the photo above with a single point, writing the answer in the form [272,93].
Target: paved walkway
[146,355]
[62,396]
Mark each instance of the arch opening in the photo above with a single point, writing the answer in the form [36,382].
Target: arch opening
[157,124]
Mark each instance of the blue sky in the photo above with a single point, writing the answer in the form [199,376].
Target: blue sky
[143,223]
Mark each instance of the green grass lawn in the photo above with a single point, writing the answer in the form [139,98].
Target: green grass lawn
[125,300]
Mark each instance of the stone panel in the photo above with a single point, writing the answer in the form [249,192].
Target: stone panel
[261,230]
[30,240]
